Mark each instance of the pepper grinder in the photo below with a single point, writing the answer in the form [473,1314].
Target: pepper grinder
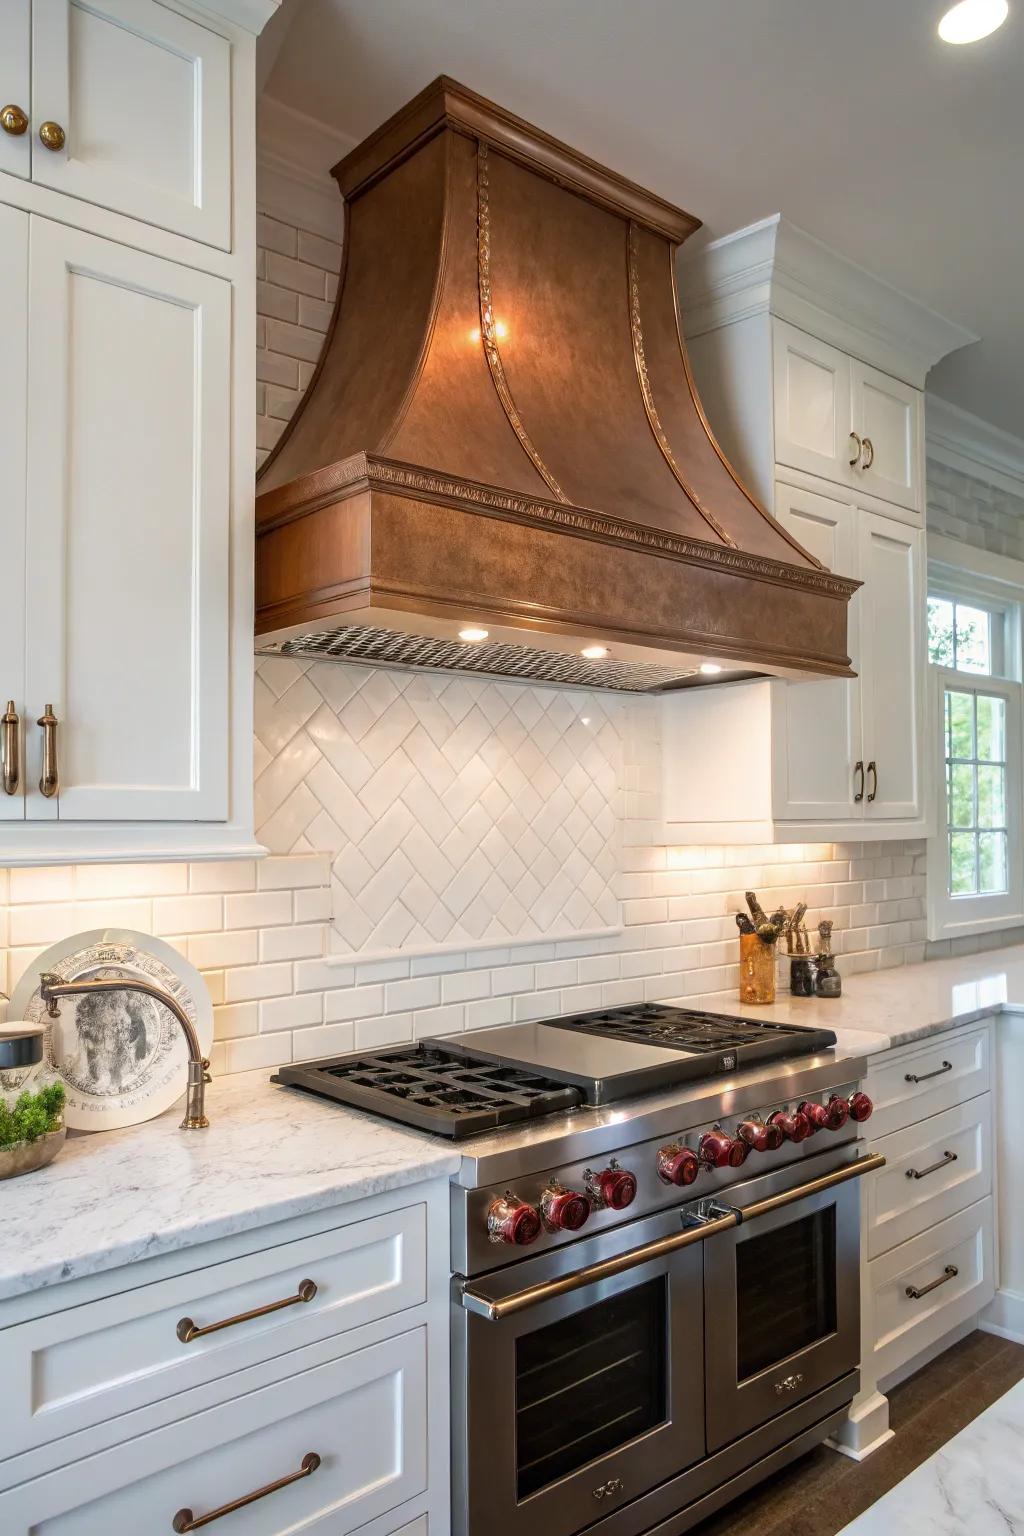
[828,982]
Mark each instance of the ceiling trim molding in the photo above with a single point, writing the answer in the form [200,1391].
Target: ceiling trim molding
[251,15]
[774,268]
[974,447]
[294,155]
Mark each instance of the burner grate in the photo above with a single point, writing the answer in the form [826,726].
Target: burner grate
[683,1029]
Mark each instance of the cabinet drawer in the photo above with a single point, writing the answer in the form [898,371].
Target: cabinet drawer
[73,1369]
[945,1070]
[934,1168]
[903,1325]
[364,1416]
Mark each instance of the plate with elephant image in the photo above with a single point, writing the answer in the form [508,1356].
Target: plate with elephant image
[121,1055]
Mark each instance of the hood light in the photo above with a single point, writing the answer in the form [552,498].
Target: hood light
[710,668]
[972,20]
[472,632]
[594,652]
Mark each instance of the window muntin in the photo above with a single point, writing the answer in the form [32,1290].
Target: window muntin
[977,827]
[965,636]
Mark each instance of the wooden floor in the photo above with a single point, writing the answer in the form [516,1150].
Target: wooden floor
[823,1491]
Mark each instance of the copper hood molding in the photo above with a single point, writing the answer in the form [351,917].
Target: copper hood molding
[503,433]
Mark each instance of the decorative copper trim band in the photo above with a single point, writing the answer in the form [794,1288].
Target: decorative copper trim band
[368,471]
[488,333]
[640,358]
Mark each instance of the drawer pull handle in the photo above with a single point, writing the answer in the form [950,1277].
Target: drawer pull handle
[949,1273]
[185,1520]
[922,1173]
[947,1066]
[187,1330]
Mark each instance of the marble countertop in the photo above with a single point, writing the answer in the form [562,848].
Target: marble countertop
[880,1009]
[976,1482]
[270,1153]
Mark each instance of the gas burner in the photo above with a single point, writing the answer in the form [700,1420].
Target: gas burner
[686,1029]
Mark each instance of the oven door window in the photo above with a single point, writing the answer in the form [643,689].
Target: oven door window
[589,1384]
[785,1291]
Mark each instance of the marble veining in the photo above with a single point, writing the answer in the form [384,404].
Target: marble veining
[975,1482]
[270,1153]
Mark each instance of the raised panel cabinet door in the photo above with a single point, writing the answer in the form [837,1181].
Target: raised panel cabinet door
[812,404]
[128,533]
[143,97]
[816,726]
[14,353]
[15,87]
[891,567]
[888,415]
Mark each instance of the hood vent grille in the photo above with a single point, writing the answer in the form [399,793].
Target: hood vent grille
[388,648]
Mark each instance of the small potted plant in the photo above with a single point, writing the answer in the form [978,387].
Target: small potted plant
[31,1130]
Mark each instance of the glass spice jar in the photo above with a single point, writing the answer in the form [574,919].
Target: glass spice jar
[757,970]
[801,975]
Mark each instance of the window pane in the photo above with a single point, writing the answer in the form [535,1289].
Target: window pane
[991,797]
[963,877]
[961,796]
[973,640]
[961,725]
[940,631]
[992,862]
[991,729]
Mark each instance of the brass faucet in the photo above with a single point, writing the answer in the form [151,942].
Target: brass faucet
[51,987]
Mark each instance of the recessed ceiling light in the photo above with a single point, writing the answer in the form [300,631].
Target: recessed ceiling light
[710,668]
[473,632]
[972,19]
[594,652]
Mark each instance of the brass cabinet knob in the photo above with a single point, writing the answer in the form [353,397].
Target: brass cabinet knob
[51,135]
[13,119]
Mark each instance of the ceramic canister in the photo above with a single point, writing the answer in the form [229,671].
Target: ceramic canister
[21,1057]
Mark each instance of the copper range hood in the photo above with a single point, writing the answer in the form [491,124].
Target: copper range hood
[503,435]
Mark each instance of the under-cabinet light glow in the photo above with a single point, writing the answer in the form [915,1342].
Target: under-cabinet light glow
[972,20]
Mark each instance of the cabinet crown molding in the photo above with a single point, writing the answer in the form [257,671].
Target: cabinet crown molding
[251,15]
[974,447]
[775,268]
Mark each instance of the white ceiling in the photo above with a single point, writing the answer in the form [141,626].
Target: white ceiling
[848,116]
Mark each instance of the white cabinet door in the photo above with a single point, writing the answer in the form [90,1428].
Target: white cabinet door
[15,146]
[891,567]
[144,98]
[812,405]
[14,352]
[127,544]
[816,726]
[888,417]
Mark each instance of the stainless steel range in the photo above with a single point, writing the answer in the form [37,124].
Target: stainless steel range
[655,1258]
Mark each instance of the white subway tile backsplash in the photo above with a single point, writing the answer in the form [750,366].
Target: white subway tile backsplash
[187,914]
[257,909]
[256,981]
[354,1003]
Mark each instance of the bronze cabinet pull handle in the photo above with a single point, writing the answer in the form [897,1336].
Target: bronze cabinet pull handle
[908,1077]
[187,1330]
[858,768]
[10,749]
[873,791]
[869,445]
[949,1273]
[856,458]
[922,1173]
[49,779]
[185,1520]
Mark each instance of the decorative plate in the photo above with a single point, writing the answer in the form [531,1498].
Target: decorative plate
[122,1055]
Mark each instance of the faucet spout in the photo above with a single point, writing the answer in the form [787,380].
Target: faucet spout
[52,988]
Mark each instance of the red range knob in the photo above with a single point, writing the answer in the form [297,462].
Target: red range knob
[677,1165]
[511,1220]
[719,1150]
[759,1136]
[613,1187]
[861,1107]
[564,1210]
[837,1112]
[816,1115]
[794,1127]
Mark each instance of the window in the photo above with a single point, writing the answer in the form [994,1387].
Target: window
[975,863]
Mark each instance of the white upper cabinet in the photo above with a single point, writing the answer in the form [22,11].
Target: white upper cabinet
[812,404]
[888,421]
[131,109]
[890,564]
[127,550]
[15,101]
[14,351]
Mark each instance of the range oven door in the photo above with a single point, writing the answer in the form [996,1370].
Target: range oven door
[782,1300]
[574,1406]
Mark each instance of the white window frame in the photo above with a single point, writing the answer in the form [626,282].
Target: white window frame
[995,582]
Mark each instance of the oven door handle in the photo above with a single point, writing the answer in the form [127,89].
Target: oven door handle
[495,1309]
